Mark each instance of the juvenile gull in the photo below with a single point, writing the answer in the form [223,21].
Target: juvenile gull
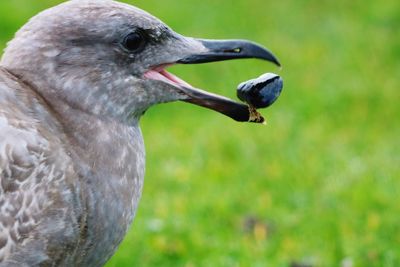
[73,84]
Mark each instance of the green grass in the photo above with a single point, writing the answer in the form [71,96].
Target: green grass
[319,185]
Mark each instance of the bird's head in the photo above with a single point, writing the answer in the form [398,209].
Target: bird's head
[109,59]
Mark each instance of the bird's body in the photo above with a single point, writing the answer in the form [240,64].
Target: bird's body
[52,168]
[73,84]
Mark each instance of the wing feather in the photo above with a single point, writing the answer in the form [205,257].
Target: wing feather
[32,162]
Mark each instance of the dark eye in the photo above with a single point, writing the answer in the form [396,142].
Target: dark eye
[134,42]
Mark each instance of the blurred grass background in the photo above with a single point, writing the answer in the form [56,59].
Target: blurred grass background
[318,186]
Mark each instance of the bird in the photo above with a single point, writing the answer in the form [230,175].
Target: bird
[74,83]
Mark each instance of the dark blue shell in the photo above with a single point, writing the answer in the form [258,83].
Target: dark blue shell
[261,92]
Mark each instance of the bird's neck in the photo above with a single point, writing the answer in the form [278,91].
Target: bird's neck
[110,158]
[117,143]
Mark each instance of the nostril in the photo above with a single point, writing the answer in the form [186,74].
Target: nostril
[235,50]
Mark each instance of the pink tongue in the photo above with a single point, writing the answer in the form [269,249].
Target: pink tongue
[165,76]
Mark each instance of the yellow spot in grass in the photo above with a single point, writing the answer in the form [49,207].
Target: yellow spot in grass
[373,221]
[289,245]
[260,232]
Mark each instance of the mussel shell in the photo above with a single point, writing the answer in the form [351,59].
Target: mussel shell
[262,91]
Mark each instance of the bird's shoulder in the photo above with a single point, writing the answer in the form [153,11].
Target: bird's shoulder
[31,161]
[26,142]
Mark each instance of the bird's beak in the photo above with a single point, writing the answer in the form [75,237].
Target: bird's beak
[195,51]
[220,50]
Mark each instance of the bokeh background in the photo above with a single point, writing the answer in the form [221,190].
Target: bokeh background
[318,186]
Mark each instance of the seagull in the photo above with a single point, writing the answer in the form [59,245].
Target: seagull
[74,83]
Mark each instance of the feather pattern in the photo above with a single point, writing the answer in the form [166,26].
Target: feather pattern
[58,206]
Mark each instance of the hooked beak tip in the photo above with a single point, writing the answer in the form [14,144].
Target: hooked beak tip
[220,50]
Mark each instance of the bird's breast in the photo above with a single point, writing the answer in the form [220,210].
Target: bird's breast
[112,181]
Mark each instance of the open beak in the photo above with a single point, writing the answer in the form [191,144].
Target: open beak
[205,51]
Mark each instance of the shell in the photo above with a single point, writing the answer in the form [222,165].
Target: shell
[261,92]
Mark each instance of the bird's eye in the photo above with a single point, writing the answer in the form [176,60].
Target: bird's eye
[134,42]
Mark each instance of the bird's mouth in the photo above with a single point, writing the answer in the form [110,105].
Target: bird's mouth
[215,51]
[159,73]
